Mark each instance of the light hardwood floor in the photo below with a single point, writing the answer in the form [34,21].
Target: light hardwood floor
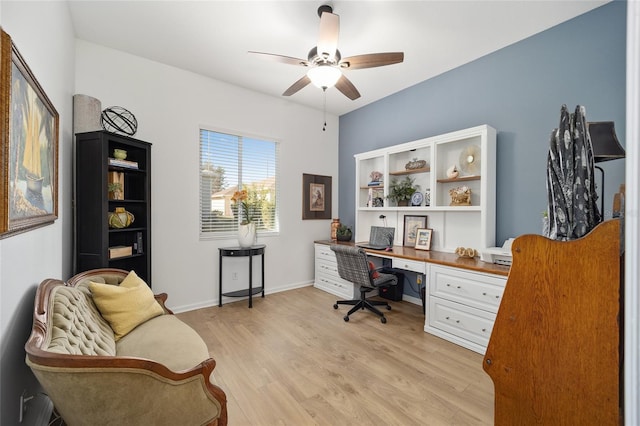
[292,360]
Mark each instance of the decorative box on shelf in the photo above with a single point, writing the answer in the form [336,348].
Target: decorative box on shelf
[120,251]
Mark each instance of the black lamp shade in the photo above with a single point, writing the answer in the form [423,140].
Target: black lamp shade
[604,141]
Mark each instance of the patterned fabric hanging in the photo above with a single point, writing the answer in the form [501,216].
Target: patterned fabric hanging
[572,209]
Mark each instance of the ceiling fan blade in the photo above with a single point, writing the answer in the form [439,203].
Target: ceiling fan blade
[347,88]
[282,59]
[372,60]
[297,86]
[328,37]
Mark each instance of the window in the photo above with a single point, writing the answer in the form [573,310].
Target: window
[231,163]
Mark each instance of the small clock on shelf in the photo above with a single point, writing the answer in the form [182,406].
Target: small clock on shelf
[417,198]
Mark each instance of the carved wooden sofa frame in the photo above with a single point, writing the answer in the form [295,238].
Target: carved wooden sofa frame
[126,390]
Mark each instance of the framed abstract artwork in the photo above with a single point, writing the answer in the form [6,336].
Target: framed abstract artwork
[29,147]
[316,197]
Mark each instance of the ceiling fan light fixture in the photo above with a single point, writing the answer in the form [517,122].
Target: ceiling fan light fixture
[324,76]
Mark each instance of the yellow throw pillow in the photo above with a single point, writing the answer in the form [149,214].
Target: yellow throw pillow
[125,306]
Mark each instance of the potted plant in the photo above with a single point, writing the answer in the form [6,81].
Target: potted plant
[343,233]
[115,191]
[401,191]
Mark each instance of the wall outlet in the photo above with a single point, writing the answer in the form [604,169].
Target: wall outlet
[23,405]
[234,275]
[35,410]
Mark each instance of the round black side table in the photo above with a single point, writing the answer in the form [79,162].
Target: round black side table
[242,252]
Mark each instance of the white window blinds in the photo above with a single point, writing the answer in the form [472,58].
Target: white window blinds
[230,164]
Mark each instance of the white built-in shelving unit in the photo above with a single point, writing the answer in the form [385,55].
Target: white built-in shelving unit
[453,226]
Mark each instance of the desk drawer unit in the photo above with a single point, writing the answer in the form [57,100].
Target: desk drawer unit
[327,277]
[482,291]
[461,324]
[408,265]
[463,305]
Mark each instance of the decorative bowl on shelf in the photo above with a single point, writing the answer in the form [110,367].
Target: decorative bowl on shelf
[415,164]
[119,154]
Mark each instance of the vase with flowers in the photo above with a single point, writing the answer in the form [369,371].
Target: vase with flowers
[248,209]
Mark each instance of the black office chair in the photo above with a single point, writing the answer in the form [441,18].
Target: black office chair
[353,266]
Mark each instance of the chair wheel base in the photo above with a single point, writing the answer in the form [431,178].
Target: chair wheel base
[361,304]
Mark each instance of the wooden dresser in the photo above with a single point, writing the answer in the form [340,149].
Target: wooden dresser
[554,355]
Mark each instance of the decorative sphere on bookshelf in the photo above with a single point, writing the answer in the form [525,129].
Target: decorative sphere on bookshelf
[116,119]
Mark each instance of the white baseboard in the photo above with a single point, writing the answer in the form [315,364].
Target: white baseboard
[209,303]
[411,299]
[269,290]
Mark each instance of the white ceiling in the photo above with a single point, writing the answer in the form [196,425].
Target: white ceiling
[212,38]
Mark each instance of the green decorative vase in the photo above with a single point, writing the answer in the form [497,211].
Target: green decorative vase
[120,218]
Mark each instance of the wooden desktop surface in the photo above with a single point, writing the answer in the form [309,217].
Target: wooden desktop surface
[438,257]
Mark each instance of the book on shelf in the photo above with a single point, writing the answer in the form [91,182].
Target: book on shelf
[123,163]
[374,183]
[120,251]
[139,248]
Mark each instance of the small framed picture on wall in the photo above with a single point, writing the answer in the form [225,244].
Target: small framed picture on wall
[423,238]
[316,197]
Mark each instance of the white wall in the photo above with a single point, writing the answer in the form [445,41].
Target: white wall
[632,231]
[44,36]
[169,105]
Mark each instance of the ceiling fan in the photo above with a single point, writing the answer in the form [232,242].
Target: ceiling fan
[325,62]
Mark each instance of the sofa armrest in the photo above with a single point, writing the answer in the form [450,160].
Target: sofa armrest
[118,390]
[162,299]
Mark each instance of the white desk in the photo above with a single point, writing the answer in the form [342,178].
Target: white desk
[463,295]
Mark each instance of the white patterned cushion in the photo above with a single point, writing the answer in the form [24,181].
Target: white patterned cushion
[76,327]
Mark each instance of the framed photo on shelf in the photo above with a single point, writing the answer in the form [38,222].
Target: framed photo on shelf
[411,226]
[316,197]
[29,147]
[423,239]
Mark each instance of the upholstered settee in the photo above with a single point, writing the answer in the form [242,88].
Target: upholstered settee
[155,371]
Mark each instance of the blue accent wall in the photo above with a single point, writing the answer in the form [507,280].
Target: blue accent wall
[519,91]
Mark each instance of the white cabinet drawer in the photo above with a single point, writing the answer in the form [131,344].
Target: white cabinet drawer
[338,287]
[409,265]
[326,271]
[322,265]
[482,291]
[468,323]
[324,252]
